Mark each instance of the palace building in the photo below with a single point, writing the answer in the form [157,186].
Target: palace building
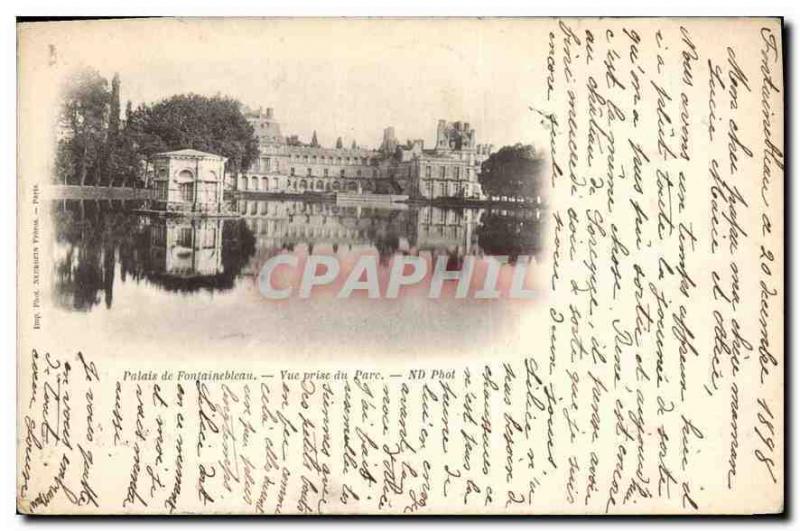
[285,164]
[450,169]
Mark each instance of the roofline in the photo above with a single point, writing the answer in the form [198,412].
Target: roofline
[169,154]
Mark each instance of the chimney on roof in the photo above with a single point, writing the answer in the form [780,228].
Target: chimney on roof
[389,144]
[441,136]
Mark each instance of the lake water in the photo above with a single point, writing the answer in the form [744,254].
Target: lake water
[193,281]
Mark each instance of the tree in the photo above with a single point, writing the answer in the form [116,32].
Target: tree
[126,163]
[128,112]
[214,124]
[354,146]
[94,148]
[512,171]
[314,142]
[138,131]
[111,164]
[339,143]
[84,122]
[114,108]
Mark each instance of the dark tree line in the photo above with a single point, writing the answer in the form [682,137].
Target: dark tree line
[513,171]
[213,124]
[99,147]
[89,150]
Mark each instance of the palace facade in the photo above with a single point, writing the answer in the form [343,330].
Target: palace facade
[287,165]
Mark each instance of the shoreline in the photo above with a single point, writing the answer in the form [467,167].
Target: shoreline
[448,202]
[60,191]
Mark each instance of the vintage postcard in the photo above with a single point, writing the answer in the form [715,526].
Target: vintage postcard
[401,266]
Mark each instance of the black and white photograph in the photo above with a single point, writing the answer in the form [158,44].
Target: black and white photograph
[395,266]
[175,182]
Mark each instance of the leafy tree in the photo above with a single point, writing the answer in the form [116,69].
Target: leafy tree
[111,167]
[128,112]
[138,131]
[126,164]
[214,124]
[66,163]
[512,171]
[339,143]
[84,121]
[113,117]
[94,148]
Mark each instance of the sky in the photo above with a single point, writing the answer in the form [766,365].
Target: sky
[349,78]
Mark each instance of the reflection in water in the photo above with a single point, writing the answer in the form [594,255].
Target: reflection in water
[98,241]
[512,236]
[95,240]
[188,254]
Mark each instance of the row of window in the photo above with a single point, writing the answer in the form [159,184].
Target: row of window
[288,210]
[431,171]
[185,192]
[263,184]
[442,172]
[253,183]
[326,173]
[305,231]
[210,175]
[436,189]
[278,228]
[322,186]
[330,159]
[264,164]
[205,238]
